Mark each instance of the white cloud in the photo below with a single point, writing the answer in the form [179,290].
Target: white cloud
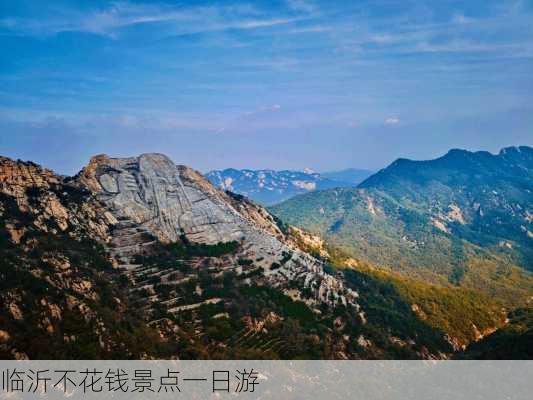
[120,15]
[392,121]
[261,23]
[311,29]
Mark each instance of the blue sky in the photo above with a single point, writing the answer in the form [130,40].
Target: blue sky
[264,84]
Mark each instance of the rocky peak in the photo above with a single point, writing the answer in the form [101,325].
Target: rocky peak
[150,194]
[54,203]
[167,200]
[17,176]
[24,173]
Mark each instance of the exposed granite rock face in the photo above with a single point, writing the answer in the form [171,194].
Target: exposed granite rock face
[150,194]
[166,200]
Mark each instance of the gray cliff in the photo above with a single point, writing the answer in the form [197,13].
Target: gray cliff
[151,196]
[154,193]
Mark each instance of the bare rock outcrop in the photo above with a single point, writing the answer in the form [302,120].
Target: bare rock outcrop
[152,192]
[149,194]
[55,204]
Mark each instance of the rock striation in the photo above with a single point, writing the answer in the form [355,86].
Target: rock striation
[153,193]
[150,195]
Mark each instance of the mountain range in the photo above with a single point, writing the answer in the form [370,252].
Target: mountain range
[141,258]
[269,187]
[464,219]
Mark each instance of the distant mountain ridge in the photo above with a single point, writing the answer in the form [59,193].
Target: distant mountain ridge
[510,162]
[269,187]
[349,175]
[466,217]
[489,196]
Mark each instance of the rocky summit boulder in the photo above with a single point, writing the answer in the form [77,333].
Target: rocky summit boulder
[151,191]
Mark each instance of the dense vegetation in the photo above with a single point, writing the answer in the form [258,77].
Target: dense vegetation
[291,328]
[165,254]
[390,326]
[463,220]
[514,341]
[252,320]
[58,296]
[459,313]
